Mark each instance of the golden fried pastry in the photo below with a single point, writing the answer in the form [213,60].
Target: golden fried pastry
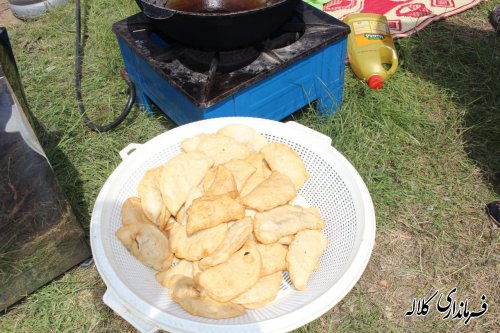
[273,258]
[246,135]
[151,199]
[223,183]
[220,148]
[208,179]
[209,211]
[241,170]
[275,191]
[185,293]
[264,291]
[287,220]
[196,268]
[178,177]
[198,245]
[303,256]
[195,193]
[132,212]
[257,161]
[147,243]
[183,267]
[284,159]
[224,210]
[286,240]
[236,236]
[233,277]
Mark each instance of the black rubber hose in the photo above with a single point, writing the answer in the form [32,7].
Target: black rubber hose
[78,84]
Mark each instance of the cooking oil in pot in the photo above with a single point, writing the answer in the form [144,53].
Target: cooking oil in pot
[215,6]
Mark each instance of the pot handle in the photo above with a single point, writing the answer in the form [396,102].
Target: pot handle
[156,13]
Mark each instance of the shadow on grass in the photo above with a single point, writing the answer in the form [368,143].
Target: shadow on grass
[465,60]
[66,173]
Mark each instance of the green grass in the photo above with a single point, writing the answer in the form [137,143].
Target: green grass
[427,146]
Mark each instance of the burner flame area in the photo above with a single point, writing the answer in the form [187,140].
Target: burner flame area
[205,61]
[229,61]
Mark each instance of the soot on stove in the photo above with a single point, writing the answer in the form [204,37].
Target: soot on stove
[208,76]
[226,61]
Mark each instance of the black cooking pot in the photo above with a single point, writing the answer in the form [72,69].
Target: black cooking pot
[217,30]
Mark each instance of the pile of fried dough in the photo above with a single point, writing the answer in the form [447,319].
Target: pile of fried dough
[218,224]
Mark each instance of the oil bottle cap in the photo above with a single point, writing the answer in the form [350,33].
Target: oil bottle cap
[375,82]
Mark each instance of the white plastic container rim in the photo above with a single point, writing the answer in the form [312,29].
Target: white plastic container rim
[147,318]
[33,10]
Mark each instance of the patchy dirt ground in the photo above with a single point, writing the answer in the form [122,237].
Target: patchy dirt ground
[7,19]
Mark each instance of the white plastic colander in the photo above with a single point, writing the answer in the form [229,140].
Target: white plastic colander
[334,187]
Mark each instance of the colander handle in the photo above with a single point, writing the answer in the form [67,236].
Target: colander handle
[309,132]
[127,151]
[111,300]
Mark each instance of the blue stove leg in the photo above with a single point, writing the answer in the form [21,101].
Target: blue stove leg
[142,101]
[329,100]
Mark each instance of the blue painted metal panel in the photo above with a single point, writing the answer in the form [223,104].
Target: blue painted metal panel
[319,76]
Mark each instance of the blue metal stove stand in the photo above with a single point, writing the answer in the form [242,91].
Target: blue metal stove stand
[278,83]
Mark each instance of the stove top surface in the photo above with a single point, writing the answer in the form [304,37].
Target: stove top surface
[206,77]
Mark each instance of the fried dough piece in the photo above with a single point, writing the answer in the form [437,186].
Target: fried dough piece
[246,135]
[179,175]
[195,193]
[241,170]
[184,293]
[273,258]
[287,220]
[209,178]
[286,240]
[257,161]
[198,245]
[250,212]
[147,243]
[265,290]
[220,148]
[284,159]
[183,267]
[275,191]
[233,277]
[151,199]
[303,256]
[266,171]
[236,236]
[192,143]
[196,268]
[223,183]
[132,212]
[209,211]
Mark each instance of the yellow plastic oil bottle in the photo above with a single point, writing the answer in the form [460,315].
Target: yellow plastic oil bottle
[370,48]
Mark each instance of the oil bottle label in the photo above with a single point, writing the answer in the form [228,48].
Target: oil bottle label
[368,32]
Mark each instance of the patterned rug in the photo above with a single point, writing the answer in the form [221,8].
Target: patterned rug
[404,16]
